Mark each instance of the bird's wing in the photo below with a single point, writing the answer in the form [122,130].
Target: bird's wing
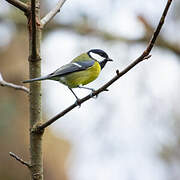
[72,67]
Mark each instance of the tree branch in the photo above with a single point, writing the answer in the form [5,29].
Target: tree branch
[157,31]
[11,85]
[143,56]
[95,93]
[35,109]
[20,160]
[162,42]
[46,19]
[20,5]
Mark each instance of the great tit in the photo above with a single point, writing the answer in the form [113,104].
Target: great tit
[80,71]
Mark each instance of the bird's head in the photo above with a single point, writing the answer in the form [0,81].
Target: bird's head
[100,56]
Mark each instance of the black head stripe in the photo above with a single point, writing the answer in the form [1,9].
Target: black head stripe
[98,51]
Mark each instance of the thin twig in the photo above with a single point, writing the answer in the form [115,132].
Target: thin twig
[156,33]
[20,160]
[20,5]
[145,55]
[52,13]
[11,85]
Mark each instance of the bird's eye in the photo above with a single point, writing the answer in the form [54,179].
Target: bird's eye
[96,56]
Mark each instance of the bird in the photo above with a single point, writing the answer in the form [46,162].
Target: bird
[82,70]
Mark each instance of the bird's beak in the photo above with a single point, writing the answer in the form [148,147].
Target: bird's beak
[108,59]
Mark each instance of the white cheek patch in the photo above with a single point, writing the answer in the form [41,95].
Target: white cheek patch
[96,56]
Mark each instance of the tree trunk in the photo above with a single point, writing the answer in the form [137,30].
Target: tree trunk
[35,91]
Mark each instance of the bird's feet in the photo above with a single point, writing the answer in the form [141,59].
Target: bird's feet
[96,96]
[78,102]
[91,94]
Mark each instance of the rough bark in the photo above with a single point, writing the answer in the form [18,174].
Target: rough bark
[35,91]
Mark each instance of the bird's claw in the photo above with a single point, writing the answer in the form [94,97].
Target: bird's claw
[91,94]
[78,103]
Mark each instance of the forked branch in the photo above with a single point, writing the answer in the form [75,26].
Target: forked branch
[145,55]
[46,19]
[20,5]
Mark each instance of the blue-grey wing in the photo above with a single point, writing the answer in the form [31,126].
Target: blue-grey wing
[72,67]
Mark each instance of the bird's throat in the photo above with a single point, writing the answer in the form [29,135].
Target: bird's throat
[103,63]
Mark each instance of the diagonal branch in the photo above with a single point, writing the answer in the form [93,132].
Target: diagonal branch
[20,160]
[157,31]
[46,19]
[11,85]
[143,56]
[20,5]
[95,93]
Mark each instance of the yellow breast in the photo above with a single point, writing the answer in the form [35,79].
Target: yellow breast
[82,77]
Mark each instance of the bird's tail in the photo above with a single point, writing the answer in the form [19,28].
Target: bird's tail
[36,79]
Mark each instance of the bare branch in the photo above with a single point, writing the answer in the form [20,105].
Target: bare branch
[11,85]
[20,5]
[95,93]
[52,13]
[145,55]
[20,160]
[156,33]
